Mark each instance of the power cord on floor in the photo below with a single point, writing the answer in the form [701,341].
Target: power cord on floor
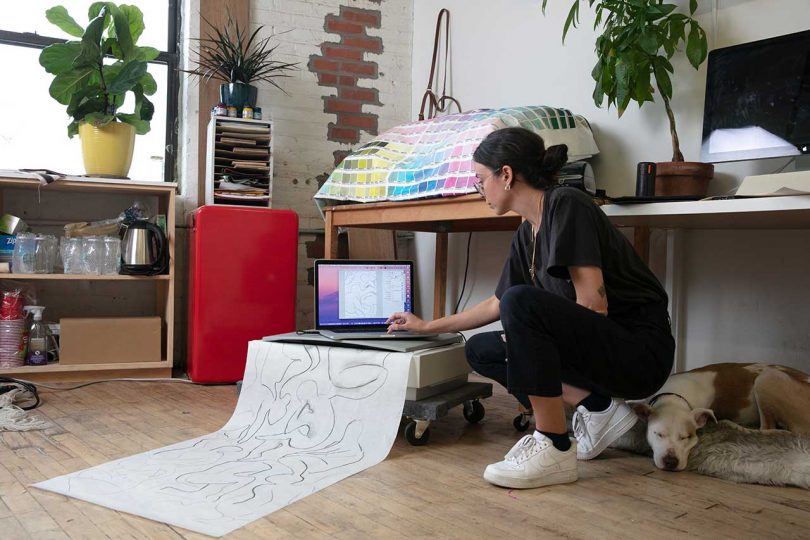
[82,385]
[24,386]
[8,384]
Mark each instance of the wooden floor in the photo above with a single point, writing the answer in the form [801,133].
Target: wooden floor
[434,491]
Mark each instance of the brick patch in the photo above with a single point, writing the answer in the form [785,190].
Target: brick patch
[339,156]
[341,65]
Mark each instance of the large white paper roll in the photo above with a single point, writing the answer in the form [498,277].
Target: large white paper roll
[307,417]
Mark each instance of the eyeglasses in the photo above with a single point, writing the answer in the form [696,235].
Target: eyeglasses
[479,186]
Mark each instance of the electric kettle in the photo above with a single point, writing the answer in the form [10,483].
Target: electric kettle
[144,249]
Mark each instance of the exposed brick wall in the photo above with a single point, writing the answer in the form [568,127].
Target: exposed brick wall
[342,65]
[303,153]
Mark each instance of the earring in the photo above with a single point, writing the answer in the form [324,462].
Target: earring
[507,187]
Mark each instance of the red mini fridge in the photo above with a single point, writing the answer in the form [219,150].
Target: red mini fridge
[242,280]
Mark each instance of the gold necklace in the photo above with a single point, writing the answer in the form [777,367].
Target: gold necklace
[532,269]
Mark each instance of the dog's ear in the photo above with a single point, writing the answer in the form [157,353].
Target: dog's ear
[702,416]
[642,410]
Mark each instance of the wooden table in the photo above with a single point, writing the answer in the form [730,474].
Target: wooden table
[470,213]
[465,213]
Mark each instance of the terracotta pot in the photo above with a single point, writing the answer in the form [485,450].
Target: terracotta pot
[682,178]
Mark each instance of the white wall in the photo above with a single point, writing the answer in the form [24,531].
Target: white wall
[745,289]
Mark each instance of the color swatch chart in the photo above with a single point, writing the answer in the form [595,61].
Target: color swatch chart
[434,157]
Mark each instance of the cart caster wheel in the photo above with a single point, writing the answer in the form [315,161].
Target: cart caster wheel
[473,411]
[410,435]
[521,423]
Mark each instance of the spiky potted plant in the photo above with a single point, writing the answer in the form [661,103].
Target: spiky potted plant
[92,77]
[639,37]
[238,59]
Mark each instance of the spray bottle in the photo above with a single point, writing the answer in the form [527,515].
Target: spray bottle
[37,354]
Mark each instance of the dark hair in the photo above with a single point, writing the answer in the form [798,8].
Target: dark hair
[525,152]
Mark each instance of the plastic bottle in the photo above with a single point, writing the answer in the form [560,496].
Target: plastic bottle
[37,338]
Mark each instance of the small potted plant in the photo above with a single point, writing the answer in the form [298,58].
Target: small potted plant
[237,59]
[92,77]
[638,40]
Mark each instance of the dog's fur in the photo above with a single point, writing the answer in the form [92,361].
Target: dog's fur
[772,457]
[754,395]
[726,450]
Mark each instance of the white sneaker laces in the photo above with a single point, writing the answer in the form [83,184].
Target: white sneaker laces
[579,423]
[524,449]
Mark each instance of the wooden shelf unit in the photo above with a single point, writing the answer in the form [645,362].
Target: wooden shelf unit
[241,149]
[84,277]
[165,193]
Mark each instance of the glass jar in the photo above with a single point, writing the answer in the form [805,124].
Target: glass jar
[92,254]
[71,251]
[111,263]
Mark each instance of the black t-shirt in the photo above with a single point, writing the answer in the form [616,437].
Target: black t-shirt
[575,232]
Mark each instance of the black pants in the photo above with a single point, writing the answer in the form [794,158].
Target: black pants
[551,340]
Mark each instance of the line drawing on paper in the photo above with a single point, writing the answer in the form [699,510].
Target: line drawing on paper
[307,417]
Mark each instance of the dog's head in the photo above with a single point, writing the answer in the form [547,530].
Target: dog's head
[672,432]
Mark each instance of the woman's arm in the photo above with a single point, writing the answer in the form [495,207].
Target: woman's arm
[589,285]
[480,314]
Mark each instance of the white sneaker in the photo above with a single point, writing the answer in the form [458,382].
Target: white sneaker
[533,463]
[596,430]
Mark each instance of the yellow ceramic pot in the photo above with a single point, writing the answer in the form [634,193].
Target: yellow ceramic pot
[107,150]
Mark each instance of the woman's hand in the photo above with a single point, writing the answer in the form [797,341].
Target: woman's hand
[405,321]
[480,314]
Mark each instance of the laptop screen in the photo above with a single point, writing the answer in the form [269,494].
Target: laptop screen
[355,295]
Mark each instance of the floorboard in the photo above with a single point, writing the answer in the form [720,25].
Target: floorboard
[433,491]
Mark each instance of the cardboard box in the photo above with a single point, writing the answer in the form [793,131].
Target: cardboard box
[109,340]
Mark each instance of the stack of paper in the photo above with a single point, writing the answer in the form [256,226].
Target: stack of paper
[242,161]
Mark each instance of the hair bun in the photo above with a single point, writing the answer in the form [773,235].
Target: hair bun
[555,157]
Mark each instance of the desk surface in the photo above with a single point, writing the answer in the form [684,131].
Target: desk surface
[471,213]
[792,212]
[447,214]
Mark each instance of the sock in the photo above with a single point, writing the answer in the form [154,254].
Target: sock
[560,440]
[595,402]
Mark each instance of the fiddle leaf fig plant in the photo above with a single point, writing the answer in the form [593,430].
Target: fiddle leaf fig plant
[92,75]
[634,50]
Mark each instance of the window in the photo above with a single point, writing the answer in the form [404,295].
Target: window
[33,126]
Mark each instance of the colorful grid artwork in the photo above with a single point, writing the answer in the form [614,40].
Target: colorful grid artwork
[434,157]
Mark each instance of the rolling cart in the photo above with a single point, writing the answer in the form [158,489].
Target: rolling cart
[422,412]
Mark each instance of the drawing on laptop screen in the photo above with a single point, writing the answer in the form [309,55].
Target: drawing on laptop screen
[361,295]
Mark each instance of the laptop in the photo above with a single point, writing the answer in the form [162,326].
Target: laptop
[354,298]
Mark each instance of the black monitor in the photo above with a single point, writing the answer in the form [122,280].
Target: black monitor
[758,100]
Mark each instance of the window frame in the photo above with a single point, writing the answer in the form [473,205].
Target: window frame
[168,58]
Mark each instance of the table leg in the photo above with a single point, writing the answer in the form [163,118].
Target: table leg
[330,248]
[440,276]
[673,283]
[641,242]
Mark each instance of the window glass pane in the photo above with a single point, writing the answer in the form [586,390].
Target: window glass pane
[29,16]
[33,126]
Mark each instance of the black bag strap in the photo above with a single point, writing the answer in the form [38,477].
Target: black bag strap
[438,104]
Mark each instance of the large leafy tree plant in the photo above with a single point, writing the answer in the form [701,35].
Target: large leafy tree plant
[634,50]
[93,75]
